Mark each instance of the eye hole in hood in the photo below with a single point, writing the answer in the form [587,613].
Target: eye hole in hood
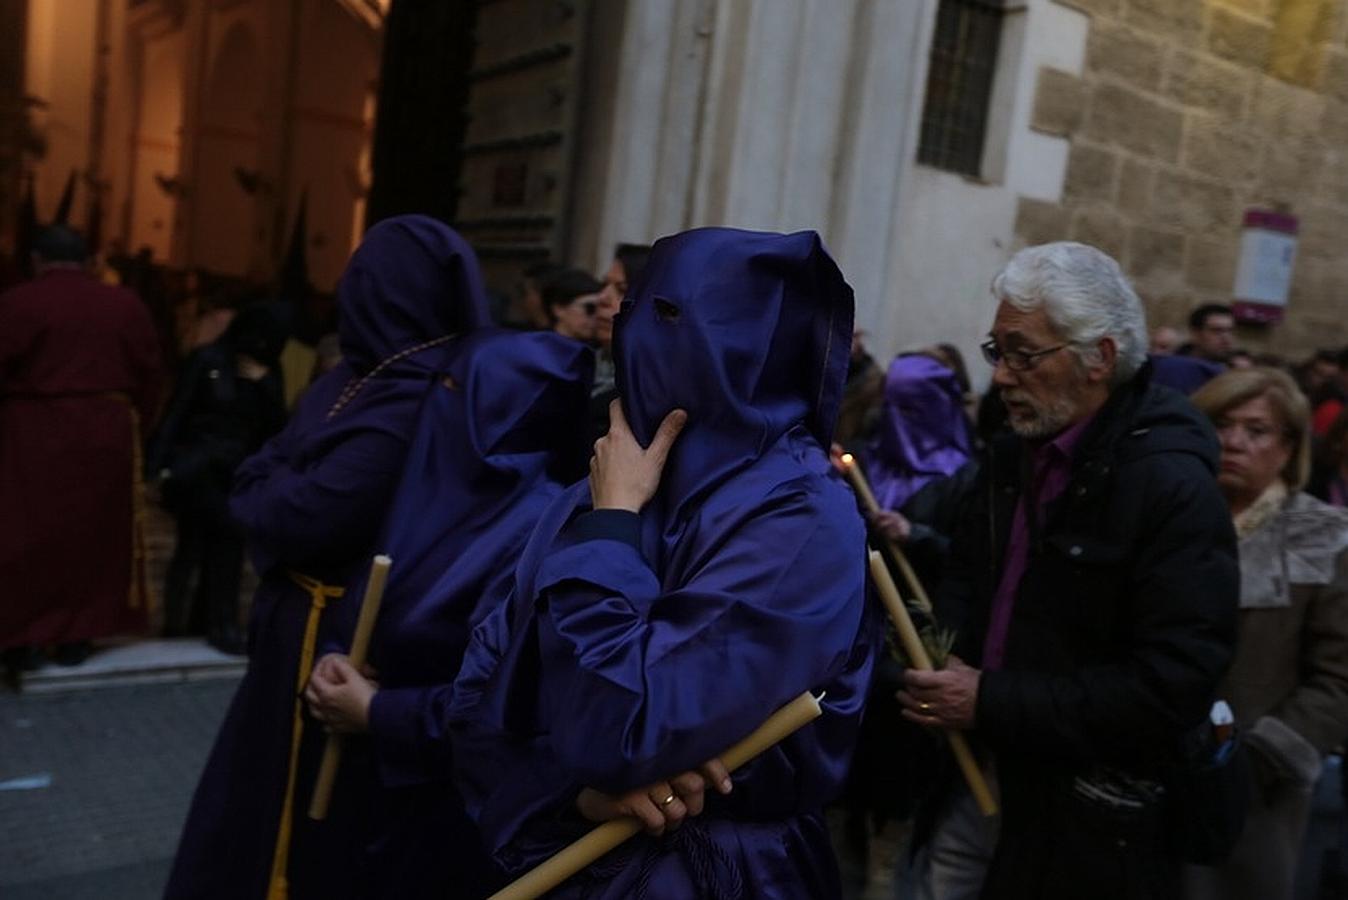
[763,336]
[666,310]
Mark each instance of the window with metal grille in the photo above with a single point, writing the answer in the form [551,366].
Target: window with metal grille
[959,84]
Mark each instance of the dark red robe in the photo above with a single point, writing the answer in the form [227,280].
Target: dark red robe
[79,380]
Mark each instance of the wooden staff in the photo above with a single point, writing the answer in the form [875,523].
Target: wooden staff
[360,644]
[571,859]
[917,654]
[863,490]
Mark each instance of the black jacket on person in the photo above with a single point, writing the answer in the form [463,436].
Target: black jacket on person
[215,420]
[1123,625]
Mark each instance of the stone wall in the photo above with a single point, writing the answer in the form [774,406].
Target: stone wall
[1189,112]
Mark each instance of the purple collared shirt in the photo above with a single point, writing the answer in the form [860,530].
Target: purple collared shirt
[1050,469]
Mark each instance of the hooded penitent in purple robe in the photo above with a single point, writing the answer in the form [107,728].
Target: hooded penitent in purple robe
[636,647]
[923,433]
[313,502]
[476,480]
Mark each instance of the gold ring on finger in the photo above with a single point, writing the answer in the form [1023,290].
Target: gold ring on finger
[924,706]
[668,800]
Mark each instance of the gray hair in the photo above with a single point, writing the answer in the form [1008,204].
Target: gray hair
[1086,297]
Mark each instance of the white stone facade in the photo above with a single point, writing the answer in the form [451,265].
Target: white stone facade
[789,114]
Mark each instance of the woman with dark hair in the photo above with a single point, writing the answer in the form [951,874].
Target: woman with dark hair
[706,574]
[312,503]
[571,302]
[1288,684]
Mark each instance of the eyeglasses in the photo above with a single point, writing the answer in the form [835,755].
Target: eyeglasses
[1016,360]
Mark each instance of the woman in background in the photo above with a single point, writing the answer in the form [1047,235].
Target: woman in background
[1288,684]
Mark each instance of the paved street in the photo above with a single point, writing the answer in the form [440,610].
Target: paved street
[94,785]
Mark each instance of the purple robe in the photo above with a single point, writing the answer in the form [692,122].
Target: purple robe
[638,647]
[923,434]
[313,501]
[476,480]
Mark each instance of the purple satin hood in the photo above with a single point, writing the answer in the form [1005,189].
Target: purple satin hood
[411,280]
[923,434]
[749,332]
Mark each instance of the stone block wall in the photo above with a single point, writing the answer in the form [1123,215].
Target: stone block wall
[1189,112]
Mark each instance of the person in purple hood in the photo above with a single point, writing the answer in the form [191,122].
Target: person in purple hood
[481,470]
[918,459]
[700,580]
[313,502]
[923,435]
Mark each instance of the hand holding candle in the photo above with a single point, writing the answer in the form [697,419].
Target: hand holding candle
[339,696]
[571,859]
[664,804]
[857,479]
[360,644]
[917,654]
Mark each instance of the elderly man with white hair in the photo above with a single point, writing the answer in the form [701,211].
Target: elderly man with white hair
[1093,586]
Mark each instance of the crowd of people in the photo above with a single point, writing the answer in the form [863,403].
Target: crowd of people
[622,535]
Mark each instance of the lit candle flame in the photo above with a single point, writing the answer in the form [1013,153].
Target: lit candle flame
[846,459]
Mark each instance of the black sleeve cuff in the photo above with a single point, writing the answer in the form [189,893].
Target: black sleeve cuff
[607,524]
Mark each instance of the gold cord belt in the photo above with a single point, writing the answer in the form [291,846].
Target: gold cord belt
[319,595]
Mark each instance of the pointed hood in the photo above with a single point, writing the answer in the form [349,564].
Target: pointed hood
[478,475]
[749,332]
[63,208]
[412,280]
[924,433]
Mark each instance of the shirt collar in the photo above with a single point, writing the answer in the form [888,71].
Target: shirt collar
[1062,446]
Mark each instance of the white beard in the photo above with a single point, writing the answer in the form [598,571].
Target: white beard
[1044,421]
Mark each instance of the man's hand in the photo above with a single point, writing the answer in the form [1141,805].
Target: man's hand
[622,475]
[661,805]
[892,525]
[944,699]
[835,457]
[250,369]
[339,696]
